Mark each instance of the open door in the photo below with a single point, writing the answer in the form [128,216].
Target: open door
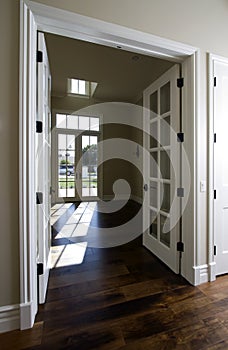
[162,167]
[43,167]
[221,165]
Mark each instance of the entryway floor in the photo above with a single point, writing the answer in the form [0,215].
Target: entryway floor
[124,298]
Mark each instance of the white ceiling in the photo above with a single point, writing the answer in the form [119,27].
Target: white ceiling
[121,75]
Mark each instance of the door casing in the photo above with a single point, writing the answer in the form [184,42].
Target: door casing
[35,16]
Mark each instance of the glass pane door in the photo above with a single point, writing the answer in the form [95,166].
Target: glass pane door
[161,167]
[76,166]
[66,166]
[89,166]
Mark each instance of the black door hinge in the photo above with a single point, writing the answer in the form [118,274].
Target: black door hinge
[39,56]
[215,81]
[215,194]
[39,197]
[180,192]
[40,269]
[214,138]
[215,250]
[39,126]
[180,82]
[180,247]
[180,137]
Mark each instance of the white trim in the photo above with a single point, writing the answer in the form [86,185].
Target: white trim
[27,315]
[200,274]
[211,260]
[56,21]
[212,271]
[9,318]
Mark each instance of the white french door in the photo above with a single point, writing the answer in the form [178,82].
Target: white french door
[75,166]
[43,168]
[221,166]
[162,167]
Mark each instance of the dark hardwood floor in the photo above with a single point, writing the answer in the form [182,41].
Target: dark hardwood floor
[125,298]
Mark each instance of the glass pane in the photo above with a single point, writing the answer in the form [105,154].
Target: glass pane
[154,104]
[165,131]
[83,123]
[165,197]
[70,142]
[153,194]
[89,165]
[72,122]
[62,157]
[165,99]
[153,223]
[165,164]
[60,121]
[94,124]
[153,164]
[165,230]
[61,142]
[62,189]
[82,87]
[70,189]
[153,135]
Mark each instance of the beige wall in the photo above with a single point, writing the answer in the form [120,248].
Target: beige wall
[9,257]
[204,24]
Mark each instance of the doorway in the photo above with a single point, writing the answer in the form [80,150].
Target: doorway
[28,90]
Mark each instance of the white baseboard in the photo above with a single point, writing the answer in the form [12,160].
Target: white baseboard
[201,274]
[9,318]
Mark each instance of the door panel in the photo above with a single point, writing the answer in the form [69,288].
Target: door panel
[221,167]
[43,168]
[162,167]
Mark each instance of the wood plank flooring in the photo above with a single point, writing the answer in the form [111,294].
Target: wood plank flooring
[125,298]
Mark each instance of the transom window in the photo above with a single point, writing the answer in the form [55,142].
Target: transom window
[81,88]
[77,122]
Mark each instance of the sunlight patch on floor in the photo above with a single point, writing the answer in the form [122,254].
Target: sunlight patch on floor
[65,255]
[58,210]
[78,224]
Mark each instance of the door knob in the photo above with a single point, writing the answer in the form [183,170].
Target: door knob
[145,187]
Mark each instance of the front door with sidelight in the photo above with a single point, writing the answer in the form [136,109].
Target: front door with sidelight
[75,158]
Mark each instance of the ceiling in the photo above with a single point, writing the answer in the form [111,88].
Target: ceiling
[121,75]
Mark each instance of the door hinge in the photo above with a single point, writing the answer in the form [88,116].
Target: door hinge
[180,192]
[39,197]
[215,250]
[180,137]
[39,126]
[40,269]
[214,138]
[180,247]
[39,56]
[180,82]
[215,194]
[215,81]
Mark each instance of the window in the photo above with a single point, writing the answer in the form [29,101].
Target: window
[81,88]
[77,122]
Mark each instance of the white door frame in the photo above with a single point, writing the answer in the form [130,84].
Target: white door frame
[35,16]
[211,60]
